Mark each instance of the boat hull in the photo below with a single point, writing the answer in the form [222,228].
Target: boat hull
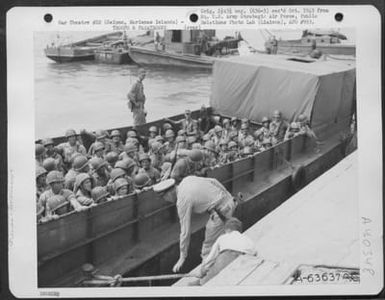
[112,57]
[143,56]
[66,54]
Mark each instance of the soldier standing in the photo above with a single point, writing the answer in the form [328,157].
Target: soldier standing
[136,100]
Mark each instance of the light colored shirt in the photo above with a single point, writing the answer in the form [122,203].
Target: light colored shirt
[198,195]
[233,240]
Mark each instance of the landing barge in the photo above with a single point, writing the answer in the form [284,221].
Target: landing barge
[138,235]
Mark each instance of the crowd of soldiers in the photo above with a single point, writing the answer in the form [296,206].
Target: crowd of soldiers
[68,177]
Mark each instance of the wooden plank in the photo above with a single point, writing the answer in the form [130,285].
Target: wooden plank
[149,201]
[236,271]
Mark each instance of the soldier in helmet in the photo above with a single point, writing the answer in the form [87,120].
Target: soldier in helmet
[121,187]
[278,127]
[70,147]
[111,158]
[204,121]
[190,141]
[247,151]
[234,125]
[156,155]
[244,136]
[41,185]
[264,131]
[131,152]
[217,136]
[136,100]
[39,154]
[233,151]
[142,182]
[226,129]
[266,144]
[153,131]
[82,189]
[52,152]
[100,138]
[181,142]
[80,165]
[188,165]
[170,141]
[50,164]
[159,139]
[292,131]
[188,124]
[116,145]
[114,175]
[99,171]
[304,128]
[147,168]
[210,154]
[100,194]
[55,181]
[98,150]
[223,152]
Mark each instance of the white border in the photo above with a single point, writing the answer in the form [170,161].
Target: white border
[23,22]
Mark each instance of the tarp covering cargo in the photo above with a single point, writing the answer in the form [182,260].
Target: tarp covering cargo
[254,86]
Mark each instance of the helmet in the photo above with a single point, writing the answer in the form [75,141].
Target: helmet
[225,121]
[100,134]
[120,182]
[40,171]
[248,141]
[195,155]
[116,173]
[247,150]
[191,140]
[216,119]
[131,140]
[265,120]
[70,132]
[196,146]
[266,141]
[80,178]
[187,112]
[301,118]
[233,119]
[112,157]
[115,133]
[141,180]
[49,164]
[153,129]
[233,134]
[167,126]
[206,137]
[159,138]
[169,133]
[245,120]
[232,144]
[180,138]
[97,162]
[294,127]
[144,156]
[128,148]
[39,149]
[98,146]
[54,176]
[245,126]
[209,145]
[276,113]
[182,132]
[98,193]
[80,162]
[56,202]
[217,128]
[47,142]
[121,164]
[131,133]
[223,142]
[156,146]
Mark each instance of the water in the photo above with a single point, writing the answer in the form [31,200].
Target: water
[91,96]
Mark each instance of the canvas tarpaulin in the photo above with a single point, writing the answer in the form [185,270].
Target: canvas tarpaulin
[254,86]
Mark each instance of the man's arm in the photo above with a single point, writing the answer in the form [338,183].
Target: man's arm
[184,213]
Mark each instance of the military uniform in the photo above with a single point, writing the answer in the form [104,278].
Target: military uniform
[169,147]
[69,150]
[182,168]
[67,194]
[153,173]
[117,148]
[278,130]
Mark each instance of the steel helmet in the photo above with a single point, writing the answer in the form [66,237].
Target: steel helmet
[191,140]
[180,138]
[153,129]
[141,180]
[266,141]
[245,126]
[195,155]
[216,119]
[80,178]
[119,183]
[196,146]
[99,134]
[131,134]
[233,134]
[117,173]
[80,162]
[98,193]
[130,147]
[232,144]
[156,146]
[56,202]
[206,137]
[209,145]
[169,133]
[247,150]
[115,133]
[234,119]
[144,156]
[54,176]
[245,120]
[70,132]
[182,132]
[225,121]
[97,162]
[218,128]
[47,142]
[130,163]
[40,171]
[121,164]
[265,120]
[301,118]
[294,127]
[112,157]
[39,149]
[167,126]
[98,146]
[73,156]
[49,164]
[131,140]
[223,142]
[159,138]
[277,113]
[248,141]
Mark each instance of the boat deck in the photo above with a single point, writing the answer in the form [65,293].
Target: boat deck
[316,226]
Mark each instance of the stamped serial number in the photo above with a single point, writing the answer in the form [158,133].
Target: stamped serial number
[336,277]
